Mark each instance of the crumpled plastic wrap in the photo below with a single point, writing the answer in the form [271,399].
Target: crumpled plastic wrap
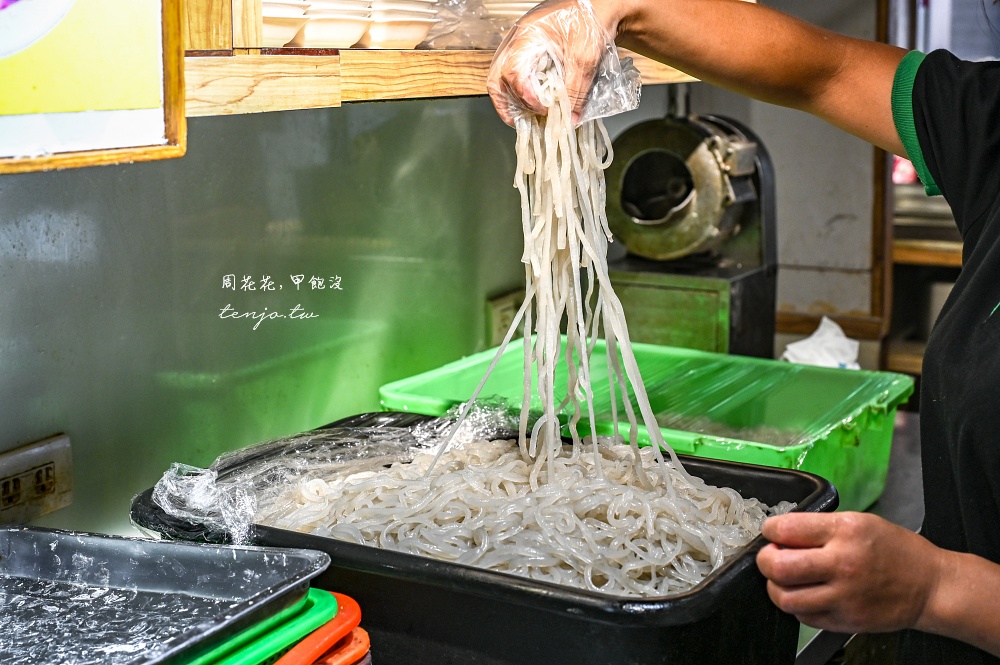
[227,496]
[193,494]
[488,418]
[568,34]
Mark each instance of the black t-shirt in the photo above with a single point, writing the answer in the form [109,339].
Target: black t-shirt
[947,112]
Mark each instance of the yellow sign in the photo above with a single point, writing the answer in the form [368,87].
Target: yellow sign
[80,55]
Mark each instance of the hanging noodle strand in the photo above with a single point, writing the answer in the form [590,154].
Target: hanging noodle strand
[595,514]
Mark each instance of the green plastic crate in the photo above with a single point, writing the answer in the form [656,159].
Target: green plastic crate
[835,423]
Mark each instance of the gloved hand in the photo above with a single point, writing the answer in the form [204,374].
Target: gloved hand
[571,35]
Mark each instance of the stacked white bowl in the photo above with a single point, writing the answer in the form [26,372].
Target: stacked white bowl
[282,20]
[386,24]
[334,23]
[399,24]
[507,10]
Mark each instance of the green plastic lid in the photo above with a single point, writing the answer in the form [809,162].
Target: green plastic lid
[265,641]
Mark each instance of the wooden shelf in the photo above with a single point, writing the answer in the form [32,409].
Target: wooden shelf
[233,82]
[905,356]
[943,253]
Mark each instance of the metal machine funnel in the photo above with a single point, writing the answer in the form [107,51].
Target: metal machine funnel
[692,201]
[677,185]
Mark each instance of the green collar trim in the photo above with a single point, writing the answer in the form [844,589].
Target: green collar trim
[902,116]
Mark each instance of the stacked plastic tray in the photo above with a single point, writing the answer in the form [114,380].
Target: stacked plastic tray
[322,629]
[80,597]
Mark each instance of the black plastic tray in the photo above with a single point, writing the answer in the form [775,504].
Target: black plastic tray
[420,610]
[79,597]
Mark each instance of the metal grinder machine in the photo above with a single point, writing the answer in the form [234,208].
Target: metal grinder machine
[691,203]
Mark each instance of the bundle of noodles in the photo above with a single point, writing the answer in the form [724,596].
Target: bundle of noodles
[560,176]
[588,514]
[480,508]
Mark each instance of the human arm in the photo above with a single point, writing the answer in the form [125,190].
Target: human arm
[744,47]
[855,572]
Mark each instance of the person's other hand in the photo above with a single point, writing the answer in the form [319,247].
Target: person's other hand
[568,32]
[848,572]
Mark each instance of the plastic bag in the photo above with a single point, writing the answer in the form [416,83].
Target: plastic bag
[569,34]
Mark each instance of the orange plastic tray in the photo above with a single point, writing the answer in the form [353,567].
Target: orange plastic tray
[349,650]
[326,637]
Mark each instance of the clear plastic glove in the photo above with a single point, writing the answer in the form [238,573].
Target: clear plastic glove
[569,34]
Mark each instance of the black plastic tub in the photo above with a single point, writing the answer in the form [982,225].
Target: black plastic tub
[420,610]
[92,598]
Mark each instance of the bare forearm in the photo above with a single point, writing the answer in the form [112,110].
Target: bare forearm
[965,603]
[762,53]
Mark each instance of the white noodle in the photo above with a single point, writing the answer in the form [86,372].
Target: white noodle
[607,533]
[587,514]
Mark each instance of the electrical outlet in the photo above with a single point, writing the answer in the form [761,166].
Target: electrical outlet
[35,479]
[500,312]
